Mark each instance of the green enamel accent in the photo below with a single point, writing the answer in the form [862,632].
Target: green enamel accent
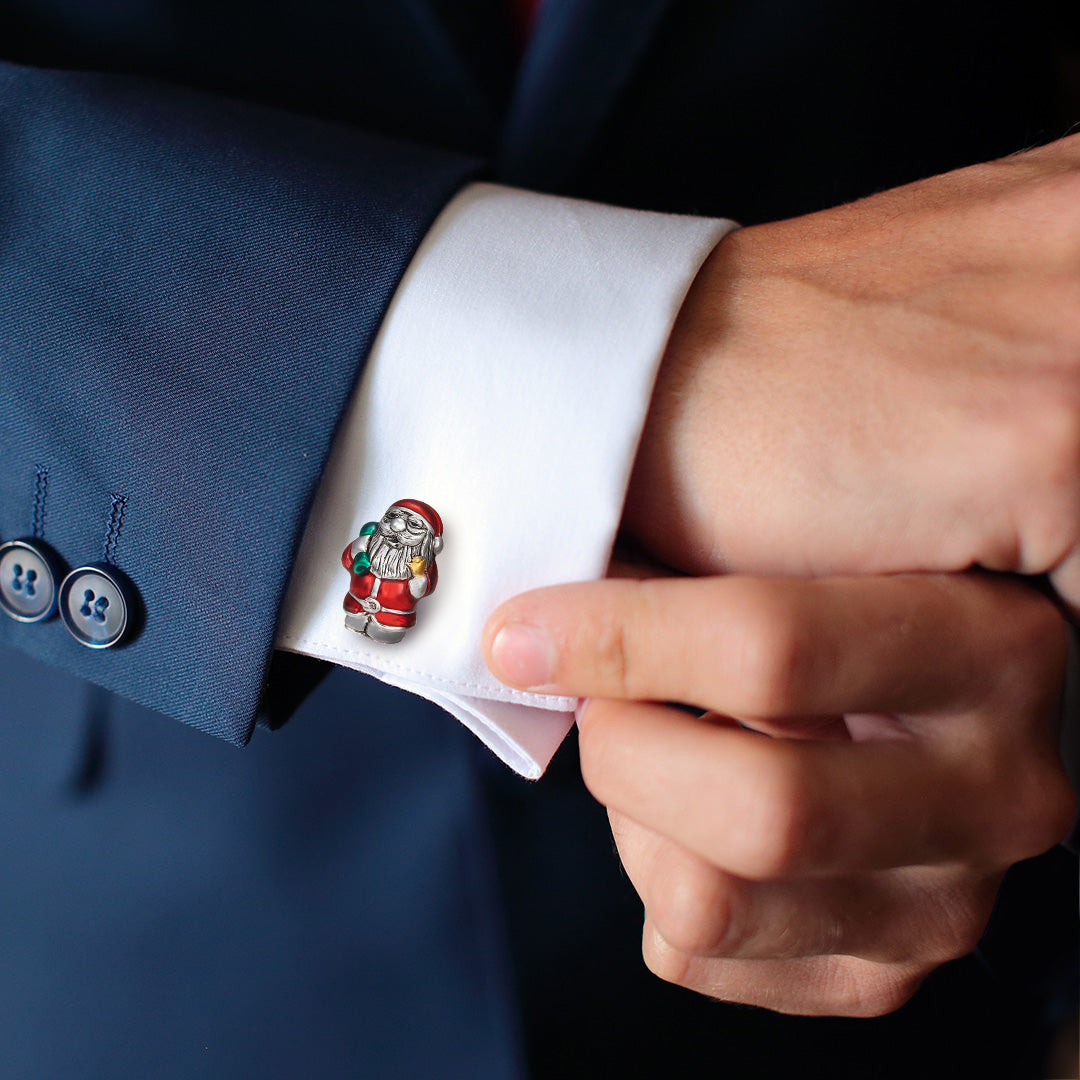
[369,528]
[362,563]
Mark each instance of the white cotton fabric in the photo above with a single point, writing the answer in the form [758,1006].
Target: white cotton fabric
[507,387]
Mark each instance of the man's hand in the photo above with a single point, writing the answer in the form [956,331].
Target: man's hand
[828,868]
[892,385]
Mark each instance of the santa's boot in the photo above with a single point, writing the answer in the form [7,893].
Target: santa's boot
[388,635]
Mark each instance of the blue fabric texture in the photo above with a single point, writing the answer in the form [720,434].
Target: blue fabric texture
[188,289]
[319,905]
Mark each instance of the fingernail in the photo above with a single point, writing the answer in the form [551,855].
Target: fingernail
[523,655]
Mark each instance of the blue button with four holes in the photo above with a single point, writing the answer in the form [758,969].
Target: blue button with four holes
[95,605]
[29,572]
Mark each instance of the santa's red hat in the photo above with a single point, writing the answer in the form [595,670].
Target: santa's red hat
[430,515]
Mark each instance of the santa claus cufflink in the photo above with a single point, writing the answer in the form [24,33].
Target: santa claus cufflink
[392,565]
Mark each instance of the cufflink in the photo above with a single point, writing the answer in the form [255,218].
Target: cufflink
[391,566]
[29,572]
[98,605]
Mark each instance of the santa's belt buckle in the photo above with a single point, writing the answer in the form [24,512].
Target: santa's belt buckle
[370,605]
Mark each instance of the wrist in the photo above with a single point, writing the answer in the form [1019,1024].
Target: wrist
[665,504]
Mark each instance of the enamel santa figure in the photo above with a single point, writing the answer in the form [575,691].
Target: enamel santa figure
[391,566]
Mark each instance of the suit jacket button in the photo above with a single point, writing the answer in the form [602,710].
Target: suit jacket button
[96,605]
[29,571]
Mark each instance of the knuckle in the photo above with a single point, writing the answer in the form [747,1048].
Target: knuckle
[1030,655]
[1047,633]
[962,937]
[957,923]
[1061,814]
[878,994]
[1047,809]
[783,830]
[663,960]
[610,648]
[1036,798]
[775,654]
[598,749]
[1036,808]
[617,642]
[692,913]
[861,988]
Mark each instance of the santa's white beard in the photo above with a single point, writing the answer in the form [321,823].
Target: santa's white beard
[392,561]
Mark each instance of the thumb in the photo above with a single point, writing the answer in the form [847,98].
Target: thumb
[772,647]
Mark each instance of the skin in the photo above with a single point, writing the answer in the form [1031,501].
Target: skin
[888,386]
[884,387]
[898,753]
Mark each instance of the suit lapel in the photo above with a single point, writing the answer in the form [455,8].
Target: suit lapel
[581,56]
[469,44]
[482,33]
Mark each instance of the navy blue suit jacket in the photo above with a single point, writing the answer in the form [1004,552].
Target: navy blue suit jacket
[205,207]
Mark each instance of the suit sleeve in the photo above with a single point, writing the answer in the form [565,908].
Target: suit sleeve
[188,291]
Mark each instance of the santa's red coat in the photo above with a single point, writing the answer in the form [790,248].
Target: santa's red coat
[390,593]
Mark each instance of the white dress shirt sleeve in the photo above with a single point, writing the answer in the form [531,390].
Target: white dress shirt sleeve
[507,388]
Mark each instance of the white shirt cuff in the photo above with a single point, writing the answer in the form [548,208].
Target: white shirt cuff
[507,388]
